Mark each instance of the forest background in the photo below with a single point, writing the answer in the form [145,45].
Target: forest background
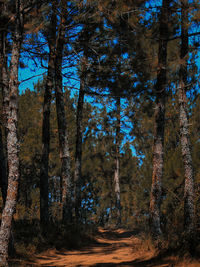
[109,135]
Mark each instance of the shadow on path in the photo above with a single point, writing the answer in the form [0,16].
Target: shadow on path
[155,261]
[111,248]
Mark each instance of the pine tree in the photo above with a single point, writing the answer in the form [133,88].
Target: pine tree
[5,95]
[159,121]
[117,160]
[62,123]
[189,214]
[79,133]
[44,192]
[12,139]
[3,176]
[84,42]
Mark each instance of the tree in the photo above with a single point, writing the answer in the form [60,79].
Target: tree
[61,119]
[159,122]
[85,40]
[117,162]
[79,133]
[49,84]
[189,214]
[12,139]
[5,96]
[3,176]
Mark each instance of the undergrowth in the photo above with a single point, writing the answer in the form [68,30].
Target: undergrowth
[30,239]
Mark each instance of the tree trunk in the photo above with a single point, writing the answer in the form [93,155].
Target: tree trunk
[3,176]
[159,125]
[44,178]
[116,173]
[62,127]
[189,213]
[12,143]
[5,104]
[79,133]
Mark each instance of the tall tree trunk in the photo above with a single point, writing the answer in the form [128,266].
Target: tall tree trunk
[189,213]
[159,125]
[5,104]
[12,142]
[44,178]
[116,173]
[62,126]
[79,133]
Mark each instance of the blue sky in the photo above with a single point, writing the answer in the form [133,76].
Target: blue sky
[30,74]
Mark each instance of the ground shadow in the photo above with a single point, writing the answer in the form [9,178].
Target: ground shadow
[153,262]
[113,234]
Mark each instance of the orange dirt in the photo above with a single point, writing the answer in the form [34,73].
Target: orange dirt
[113,248]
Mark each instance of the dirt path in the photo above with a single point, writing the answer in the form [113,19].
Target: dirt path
[113,248]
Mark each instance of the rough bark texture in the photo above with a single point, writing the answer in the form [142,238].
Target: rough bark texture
[62,127]
[3,176]
[5,104]
[159,122]
[44,178]
[4,80]
[78,153]
[12,144]
[189,214]
[116,173]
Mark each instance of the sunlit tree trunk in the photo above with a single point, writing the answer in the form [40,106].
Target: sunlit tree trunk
[12,141]
[117,156]
[189,213]
[62,126]
[44,178]
[159,125]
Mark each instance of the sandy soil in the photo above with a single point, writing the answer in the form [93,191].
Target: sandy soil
[113,248]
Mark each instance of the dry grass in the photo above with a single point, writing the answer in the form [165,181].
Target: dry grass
[87,246]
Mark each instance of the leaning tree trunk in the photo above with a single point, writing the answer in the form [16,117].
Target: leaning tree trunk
[62,128]
[189,214]
[116,173]
[159,122]
[12,144]
[44,178]
[79,133]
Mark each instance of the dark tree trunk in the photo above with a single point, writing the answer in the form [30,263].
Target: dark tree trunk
[44,178]
[189,213]
[159,125]
[4,70]
[117,154]
[79,133]
[62,127]
[12,142]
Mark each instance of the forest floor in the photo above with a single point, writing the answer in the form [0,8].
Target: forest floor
[112,248]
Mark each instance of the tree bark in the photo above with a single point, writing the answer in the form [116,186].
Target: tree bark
[62,126]
[116,173]
[5,104]
[189,213]
[3,176]
[79,134]
[159,125]
[44,178]
[12,142]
